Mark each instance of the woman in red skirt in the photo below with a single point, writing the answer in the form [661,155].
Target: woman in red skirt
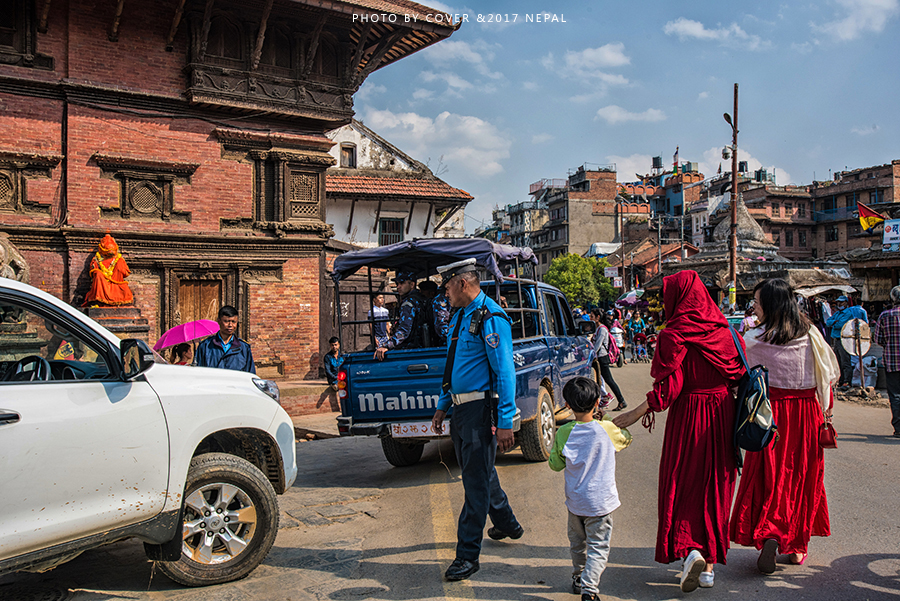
[781,499]
[694,367]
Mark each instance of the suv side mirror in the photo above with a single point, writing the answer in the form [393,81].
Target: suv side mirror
[587,327]
[137,357]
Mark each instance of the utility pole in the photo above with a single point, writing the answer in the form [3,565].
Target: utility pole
[619,200]
[658,243]
[732,286]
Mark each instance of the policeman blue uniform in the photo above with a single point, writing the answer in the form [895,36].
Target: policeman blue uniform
[440,317]
[406,331]
[482,361]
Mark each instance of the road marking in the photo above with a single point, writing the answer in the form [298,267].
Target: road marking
[443,523]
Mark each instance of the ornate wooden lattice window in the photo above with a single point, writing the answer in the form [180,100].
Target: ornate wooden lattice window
[18,36]
[286,191]
[147,188]
[15,171]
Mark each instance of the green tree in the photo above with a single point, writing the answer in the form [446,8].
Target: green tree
[581,279]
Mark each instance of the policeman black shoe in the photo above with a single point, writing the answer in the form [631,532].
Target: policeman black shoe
[461,569]
[497,534]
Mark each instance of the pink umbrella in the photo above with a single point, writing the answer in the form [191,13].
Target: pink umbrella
[186,332]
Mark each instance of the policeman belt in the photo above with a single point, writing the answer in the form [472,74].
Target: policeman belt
[467,397]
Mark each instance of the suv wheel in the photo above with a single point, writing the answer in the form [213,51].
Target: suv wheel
[401,454]
[230,521]
[537,436]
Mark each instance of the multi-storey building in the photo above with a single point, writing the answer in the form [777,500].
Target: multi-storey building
[525,218]
[572,224]
[835,212]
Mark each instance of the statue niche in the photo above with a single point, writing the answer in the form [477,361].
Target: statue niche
[108,273]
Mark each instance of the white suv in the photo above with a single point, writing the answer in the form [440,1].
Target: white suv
[100,441]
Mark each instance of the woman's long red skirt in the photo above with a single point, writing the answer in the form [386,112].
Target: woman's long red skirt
[781,494]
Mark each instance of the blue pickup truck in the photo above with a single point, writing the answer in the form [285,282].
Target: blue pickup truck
[395,399]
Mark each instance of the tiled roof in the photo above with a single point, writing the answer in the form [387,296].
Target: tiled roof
[404,187]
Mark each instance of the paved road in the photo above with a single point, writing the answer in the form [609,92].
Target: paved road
[353,528]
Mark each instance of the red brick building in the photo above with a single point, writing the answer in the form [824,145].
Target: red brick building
[193,132]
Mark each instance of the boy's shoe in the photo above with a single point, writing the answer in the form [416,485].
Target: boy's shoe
[576,584]
[706,579]
[497,534]
[694,564]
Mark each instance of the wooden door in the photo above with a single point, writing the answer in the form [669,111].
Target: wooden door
[199,299]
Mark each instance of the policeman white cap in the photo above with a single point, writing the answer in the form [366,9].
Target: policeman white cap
[447,272]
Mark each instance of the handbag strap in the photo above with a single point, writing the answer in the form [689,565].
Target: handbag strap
[740,349]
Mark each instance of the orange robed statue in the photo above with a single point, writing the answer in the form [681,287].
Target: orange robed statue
[109,270]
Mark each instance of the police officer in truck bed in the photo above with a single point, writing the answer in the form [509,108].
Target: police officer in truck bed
[479,363]
[406,331]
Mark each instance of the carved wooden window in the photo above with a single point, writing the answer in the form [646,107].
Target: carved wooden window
[146,188]
[15,171]
[286,192]
[277,49]
[18,35]
[225,40]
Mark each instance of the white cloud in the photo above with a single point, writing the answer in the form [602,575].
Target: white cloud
[702,95]
[368,90]
[454,82]
[591,63]
[628,167]
[541,138]
[465,143]
[865,131]
[609,55]
[712,158]
[861,16]
[531,86]
[732,35]
[614,114]
[422,94]
[477,55]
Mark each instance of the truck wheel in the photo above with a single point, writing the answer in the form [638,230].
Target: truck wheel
[230,521]
[536,436]
[400,454]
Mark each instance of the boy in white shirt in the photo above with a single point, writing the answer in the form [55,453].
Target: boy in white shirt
[586,450]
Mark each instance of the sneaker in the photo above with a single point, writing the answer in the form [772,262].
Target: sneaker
[690,573]
[590,597]
[497,534]
[706,579]
[576,584]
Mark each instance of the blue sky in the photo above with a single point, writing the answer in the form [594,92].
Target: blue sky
[498,106]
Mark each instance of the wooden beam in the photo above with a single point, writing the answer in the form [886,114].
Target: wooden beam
[374,60]
[377,217]
[261,36]
[45,14]
[357,56]
[313,46]
[114,29]
[447,217]
[350,221]
[176,21]
[428,219]
[412,206]
[204,32]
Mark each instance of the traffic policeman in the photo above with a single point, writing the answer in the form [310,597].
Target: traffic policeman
[406,331]
[479,381]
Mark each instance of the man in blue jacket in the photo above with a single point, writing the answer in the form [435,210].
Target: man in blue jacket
[479,363]
[225,350]
[837,320]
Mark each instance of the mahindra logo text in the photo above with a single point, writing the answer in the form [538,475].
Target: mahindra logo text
[371,402]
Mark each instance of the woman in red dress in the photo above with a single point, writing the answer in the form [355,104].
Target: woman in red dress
[781,499]
[695,365]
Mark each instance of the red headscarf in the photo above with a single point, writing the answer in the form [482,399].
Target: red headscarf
[693,318]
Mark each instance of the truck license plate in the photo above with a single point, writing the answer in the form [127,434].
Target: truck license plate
[417,429]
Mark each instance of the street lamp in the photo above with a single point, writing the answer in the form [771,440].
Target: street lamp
[732,240]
